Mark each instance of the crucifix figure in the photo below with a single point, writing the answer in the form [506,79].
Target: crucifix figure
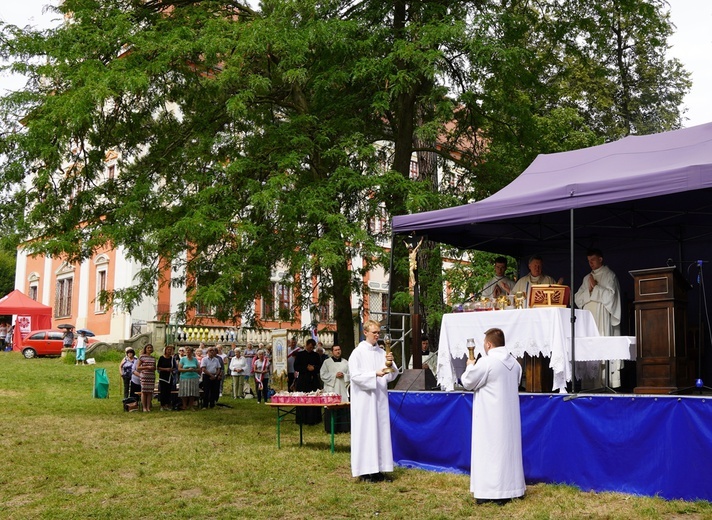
[413,263]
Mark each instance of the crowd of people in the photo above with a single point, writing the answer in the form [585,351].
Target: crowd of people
[194,378]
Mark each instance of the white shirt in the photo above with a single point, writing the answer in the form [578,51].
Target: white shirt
[237,366]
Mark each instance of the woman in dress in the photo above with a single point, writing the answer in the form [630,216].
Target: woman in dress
[166,380]
[189,369]
[147,370]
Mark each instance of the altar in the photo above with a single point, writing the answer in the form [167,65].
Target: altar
[539,331]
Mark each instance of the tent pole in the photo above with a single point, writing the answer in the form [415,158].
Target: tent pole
[390,283]
[573,309]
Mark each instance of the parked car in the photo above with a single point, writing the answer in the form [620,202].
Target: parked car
[44,343]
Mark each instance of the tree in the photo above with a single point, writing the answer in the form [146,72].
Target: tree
[252,140]
[7,272]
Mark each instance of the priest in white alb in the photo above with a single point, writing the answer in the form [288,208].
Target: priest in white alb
[496,467]
[371,450]
[334,373]
[600,294]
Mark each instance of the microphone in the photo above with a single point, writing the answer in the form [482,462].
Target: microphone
[475,296]
[669,262]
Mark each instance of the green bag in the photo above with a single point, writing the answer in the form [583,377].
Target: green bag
[101,384]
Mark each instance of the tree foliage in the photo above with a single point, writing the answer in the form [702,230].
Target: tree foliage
[252,139]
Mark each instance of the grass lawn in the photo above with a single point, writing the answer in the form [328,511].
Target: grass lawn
[67,455]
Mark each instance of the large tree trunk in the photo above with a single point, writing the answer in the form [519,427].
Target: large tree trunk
[342,309]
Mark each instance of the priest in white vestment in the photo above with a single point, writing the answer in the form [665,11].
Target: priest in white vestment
[371,450]
[500,284]
[600,294]
[334,373]
[496,467]
[534,276]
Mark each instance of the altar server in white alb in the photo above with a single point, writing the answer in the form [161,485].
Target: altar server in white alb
[497,470]
[371,451]
[600,293]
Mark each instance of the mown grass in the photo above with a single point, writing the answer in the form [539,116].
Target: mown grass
[66,455]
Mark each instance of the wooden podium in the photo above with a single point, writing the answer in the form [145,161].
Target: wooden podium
[664,362]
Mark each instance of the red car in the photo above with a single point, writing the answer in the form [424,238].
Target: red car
[44,343]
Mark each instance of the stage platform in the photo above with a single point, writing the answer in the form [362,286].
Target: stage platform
[637,444]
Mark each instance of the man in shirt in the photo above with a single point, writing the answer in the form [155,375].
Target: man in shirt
[496,467]
[371,450]
[210,367]
[430,359]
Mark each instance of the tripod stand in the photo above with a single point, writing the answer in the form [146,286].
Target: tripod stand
[699,387]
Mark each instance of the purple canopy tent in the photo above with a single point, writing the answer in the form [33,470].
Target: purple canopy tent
[643,200]
[640,188]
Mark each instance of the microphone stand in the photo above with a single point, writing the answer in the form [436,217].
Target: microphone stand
[477,295]
[699,387]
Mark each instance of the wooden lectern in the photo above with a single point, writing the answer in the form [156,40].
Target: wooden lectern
[664,362]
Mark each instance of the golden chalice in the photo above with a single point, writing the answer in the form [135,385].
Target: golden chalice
[471,349]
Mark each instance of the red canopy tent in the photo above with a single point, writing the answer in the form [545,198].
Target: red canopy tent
[18,304]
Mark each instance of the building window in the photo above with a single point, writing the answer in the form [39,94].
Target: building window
[201,309]
[267,310]
[100,287]
[101,264]
[326,311]
[110,172]
[34,285]
[63,298]
[279,305]
[413,174]
[377,304]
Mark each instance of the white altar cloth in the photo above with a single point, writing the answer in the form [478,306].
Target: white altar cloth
[541,330]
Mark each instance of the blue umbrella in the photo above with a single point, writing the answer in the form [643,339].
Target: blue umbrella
[86,332]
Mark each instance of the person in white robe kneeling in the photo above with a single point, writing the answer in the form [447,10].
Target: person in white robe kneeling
[496,467]
[371,450]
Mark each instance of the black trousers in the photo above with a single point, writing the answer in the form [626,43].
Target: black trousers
[264,393]
[211,391]
[165,392]
[127,386]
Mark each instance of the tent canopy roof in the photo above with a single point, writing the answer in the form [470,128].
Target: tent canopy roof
[651,193]
[18,303]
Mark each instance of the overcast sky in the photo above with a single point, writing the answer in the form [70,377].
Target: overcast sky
[691,44]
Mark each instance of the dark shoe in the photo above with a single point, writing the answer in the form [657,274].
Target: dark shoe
[366,478]
[496,501]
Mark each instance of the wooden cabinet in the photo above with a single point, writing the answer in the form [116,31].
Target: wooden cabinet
[664,360]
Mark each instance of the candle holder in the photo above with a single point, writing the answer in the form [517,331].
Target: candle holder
[389,364]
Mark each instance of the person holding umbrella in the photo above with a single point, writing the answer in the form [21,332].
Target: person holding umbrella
[68,336]
[81,347]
